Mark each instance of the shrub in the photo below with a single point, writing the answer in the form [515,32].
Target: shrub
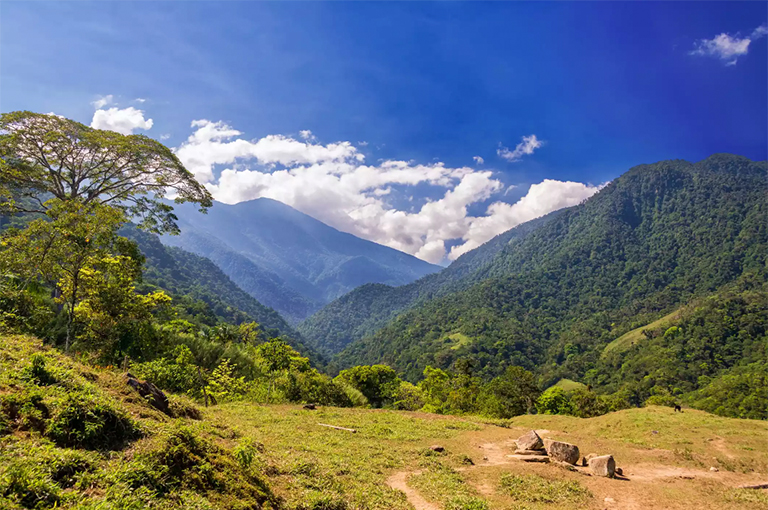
[37,372]
[86,421]
[25,410]
[554,401]
[408,397]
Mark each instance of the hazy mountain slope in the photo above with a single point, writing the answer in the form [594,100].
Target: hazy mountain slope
[185,275]
[289,260]
[370,307]
[645,244]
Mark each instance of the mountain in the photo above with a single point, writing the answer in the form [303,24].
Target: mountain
[369,307]
[205,292]
[656,238]
[286,259]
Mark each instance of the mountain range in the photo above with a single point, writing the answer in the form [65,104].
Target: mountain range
[550,295]
[286,259]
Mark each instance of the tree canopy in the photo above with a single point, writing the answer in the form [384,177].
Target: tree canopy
[44,156]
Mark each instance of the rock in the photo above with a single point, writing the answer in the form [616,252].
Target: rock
[609,500]
[437,448]
[564,465]
[603,466]
[530,458]
[310,407]
[564,452]
[530,452]
[714,469]
[529,441]
[585,460]
[151,393]
[654,432]
[619,472]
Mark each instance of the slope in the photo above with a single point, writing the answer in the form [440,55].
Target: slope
[191,280]
[645,244]
[289,260]
[370,307]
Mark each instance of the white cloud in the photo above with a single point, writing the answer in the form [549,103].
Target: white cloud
[335,184]
[102,101]
[124,121]
[56,115]
[478,160]
[524,148]
[362,144]
[728,47]
[306,134]
[542,198]
[140,100]
[164,136]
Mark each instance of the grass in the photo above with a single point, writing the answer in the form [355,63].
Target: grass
[459,340]
[242,455]
[635,336]
[569,385]
[309,462]
[537,489]
[438,481]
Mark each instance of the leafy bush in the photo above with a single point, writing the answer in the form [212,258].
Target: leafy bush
[554,400]
[37,372]
[83,420]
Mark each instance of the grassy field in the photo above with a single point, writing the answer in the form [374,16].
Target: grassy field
[635,336]
[242,455]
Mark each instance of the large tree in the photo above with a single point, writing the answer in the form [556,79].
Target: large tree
[45,156]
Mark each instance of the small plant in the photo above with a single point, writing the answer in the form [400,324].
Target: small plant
[37,372]
[466,503]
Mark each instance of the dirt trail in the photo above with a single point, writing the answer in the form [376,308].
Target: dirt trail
[399,481]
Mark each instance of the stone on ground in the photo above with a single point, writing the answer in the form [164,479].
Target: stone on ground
[530,452]
[437,448]
[603,465]
[564,452]
[529,441]
[530,458]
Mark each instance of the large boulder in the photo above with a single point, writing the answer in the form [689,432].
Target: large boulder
[564,452]
[529,441]
[603,465]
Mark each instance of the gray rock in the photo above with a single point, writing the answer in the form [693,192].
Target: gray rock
[564,452]
[530,458]
[603,466]
[437,448]
[530,452]
[585,460]
[529,441]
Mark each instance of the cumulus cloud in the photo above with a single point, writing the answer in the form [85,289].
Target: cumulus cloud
[334,183]
[524,148]
[140,100]
[726,47]
[102,101]
[479,160]
[542,198]
[124,121]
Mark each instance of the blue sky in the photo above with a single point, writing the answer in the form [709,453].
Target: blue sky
[603,86]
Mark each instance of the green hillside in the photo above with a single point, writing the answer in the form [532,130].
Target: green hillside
[205,293]
[370,307]
[651,241]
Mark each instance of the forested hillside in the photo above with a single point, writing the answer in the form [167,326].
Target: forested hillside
[370,307]
[652,240]
[203,293]
[286,259]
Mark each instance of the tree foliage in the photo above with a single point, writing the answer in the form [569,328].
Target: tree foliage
[49,156]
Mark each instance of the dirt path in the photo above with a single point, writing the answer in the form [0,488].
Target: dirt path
[399,481]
